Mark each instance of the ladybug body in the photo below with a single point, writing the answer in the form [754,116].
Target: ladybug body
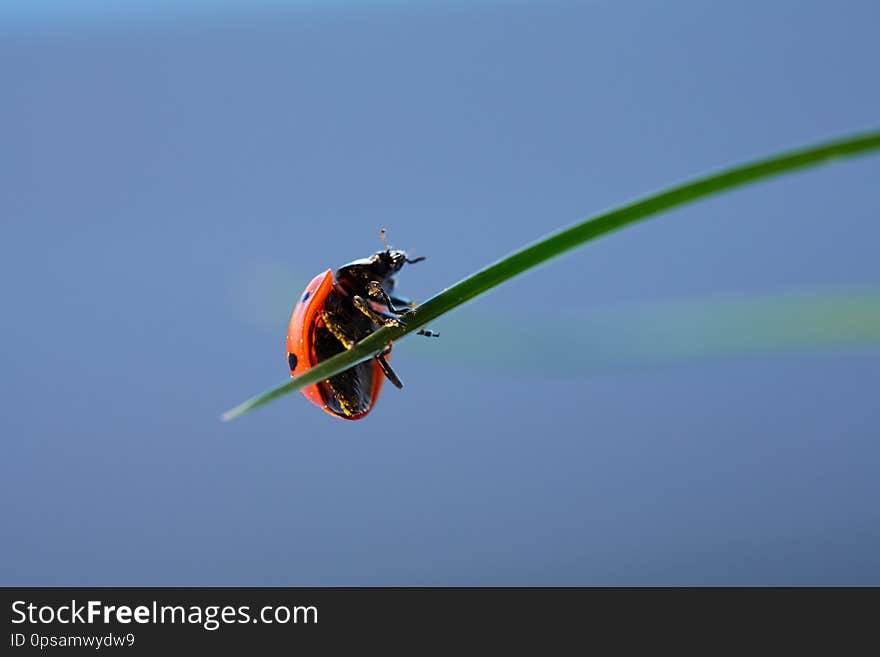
[334,313]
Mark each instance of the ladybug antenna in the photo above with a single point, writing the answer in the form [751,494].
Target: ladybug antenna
[415,260]
[382,237]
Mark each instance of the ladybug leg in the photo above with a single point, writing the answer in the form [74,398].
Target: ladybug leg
[375,290]
[382,320]
[426,332]
[396,299]
[386,369]
[410,306]
[401,301]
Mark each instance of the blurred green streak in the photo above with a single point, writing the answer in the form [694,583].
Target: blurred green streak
[658,333]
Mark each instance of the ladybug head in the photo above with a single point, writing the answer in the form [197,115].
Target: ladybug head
[394,259]
[381,266]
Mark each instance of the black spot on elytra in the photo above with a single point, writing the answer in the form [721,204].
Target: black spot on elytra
[291,361]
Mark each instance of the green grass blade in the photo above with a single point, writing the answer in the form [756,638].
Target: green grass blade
[565,240]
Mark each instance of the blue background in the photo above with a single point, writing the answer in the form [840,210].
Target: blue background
[174,173]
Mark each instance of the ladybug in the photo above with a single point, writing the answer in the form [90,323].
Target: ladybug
[335,312]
